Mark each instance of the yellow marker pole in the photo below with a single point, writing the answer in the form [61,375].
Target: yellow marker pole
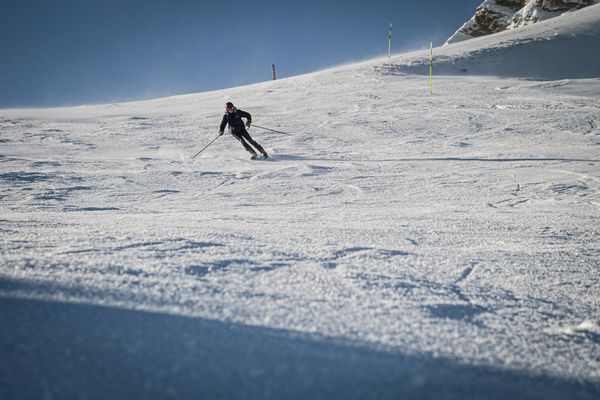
[390,42]
[430,67]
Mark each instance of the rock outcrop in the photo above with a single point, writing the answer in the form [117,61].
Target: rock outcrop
[494,16]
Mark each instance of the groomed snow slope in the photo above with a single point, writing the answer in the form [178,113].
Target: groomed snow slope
[398,243]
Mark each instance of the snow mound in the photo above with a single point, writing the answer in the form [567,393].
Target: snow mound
[560,48]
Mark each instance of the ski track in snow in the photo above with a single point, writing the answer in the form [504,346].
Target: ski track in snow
[462,225]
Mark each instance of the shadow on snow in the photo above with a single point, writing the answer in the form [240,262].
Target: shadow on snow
[51,349]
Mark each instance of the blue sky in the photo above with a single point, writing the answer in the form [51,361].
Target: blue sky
[65,52]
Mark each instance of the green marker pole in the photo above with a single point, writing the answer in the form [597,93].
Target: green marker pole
[390,42]
[430,67]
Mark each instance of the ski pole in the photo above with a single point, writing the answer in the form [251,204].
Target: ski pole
[211,142]
[272,130]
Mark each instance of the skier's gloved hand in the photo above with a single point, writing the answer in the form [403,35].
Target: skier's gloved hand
[221,133]
[248,124]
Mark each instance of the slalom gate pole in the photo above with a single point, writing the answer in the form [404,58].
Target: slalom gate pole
[211,142]
[390,42]
[430,67]
[272,130]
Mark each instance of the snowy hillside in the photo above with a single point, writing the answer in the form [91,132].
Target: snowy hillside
[396,244]
[559,48]
[494,16]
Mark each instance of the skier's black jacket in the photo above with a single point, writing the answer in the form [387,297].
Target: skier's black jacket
[234,120]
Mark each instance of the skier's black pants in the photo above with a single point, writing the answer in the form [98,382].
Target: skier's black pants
[244,137]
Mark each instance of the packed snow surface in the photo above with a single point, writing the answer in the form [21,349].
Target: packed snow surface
[398,242]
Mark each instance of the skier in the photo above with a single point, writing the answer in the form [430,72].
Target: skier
[233,117]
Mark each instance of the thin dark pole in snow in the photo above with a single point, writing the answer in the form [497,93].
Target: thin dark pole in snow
[274,77]
[390,42]
[430,67]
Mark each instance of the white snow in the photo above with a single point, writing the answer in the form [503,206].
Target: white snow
[457,226]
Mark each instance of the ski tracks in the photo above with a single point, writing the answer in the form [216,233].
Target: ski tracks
[561,186]
[585,187]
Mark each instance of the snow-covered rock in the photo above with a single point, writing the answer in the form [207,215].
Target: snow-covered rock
[494,16]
